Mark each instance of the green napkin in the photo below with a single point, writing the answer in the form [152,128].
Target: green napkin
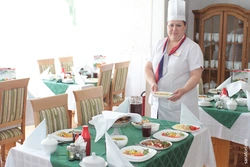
[56,87]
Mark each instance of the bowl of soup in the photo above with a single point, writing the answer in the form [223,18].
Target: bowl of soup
[120,140]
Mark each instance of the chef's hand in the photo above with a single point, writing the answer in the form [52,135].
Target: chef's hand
[154,87]
[177,95]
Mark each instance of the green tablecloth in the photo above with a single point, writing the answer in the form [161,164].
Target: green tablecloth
[224,116]
[172,157]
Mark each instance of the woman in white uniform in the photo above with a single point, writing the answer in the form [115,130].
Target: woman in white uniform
[179,72]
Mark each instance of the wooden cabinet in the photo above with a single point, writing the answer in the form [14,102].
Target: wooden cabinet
[222,31]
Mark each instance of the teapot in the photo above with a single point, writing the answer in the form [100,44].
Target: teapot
[231,104]
[93,161]
[49,144]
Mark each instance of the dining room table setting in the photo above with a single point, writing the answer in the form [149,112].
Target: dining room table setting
[118,138]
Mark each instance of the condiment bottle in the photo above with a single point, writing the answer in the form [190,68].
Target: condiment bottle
[87,138]
[63,74]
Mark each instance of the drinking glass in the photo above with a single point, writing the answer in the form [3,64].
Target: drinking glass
[146,130]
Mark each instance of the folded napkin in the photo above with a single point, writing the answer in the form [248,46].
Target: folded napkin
[78,78]
[225,83]
[113,154]
[187,117]
[105,120]
[44,74]
[123,107]
[35,138]
[235,87]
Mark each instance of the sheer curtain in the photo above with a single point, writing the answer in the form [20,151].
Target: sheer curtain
[39,29]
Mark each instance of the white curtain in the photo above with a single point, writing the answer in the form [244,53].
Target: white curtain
[39,29]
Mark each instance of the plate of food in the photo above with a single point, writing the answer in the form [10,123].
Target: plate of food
[161,94]
[68,81]
[122,122]
[170,135]
[138,153]
[214,91]
[186,128]
[138,125]
[156,144]
[65,134]
[205,98]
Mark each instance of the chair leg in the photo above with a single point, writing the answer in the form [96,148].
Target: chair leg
[3,153]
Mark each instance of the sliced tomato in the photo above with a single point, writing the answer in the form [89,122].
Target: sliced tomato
[193,128]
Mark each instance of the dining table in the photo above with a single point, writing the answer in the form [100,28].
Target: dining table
[196,150]
[226,126]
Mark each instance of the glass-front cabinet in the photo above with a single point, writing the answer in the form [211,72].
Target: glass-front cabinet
[222,32]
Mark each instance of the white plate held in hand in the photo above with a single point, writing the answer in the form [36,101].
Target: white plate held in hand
[161,94]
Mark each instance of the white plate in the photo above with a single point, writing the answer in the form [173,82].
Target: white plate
[184,127]
[80,163]
[131,158]
[214,91]
[137,126]
[205,105]
[59,138]
[158,135]
[161,94]
[91,80]
[153,147]
[68,81]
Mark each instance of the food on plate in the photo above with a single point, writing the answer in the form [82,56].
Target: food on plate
[164,93]
[155,143]
[65,134]
[142,122]
[117,138]
[134,152]
[202,96]
[123,119]
[173,134]
[186,127]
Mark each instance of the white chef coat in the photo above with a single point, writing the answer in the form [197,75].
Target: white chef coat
[176,72]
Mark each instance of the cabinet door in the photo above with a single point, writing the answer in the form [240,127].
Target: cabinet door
[211,42]
[234,45]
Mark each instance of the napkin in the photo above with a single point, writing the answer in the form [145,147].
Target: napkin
[35,138]
[113,154]
[78,78]
[44,74]
[234,87]
[187,117]
[123,107]
[105,120]
[224,84]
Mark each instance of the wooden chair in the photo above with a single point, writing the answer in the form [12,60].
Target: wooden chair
[118,86]
[54,109]
[45,63]
[104,80]
[89,102]
[239,152]
[66,63]
[13,98]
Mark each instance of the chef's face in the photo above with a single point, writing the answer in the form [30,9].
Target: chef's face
[176,29]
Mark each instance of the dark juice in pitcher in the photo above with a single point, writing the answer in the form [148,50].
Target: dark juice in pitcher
[136,108]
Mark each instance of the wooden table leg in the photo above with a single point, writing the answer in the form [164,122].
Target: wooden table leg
[221,151]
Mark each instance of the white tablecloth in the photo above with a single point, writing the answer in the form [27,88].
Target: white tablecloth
[200,153]
[238,133]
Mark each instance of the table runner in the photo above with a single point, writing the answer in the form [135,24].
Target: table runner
[224,116]
[174,156]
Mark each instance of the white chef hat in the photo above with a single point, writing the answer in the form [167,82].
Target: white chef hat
[176,10]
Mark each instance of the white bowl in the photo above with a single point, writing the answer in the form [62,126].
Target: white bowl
[241,101]
[204,103]
[231,106]
[49,144]
[154,126]
[120,140]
